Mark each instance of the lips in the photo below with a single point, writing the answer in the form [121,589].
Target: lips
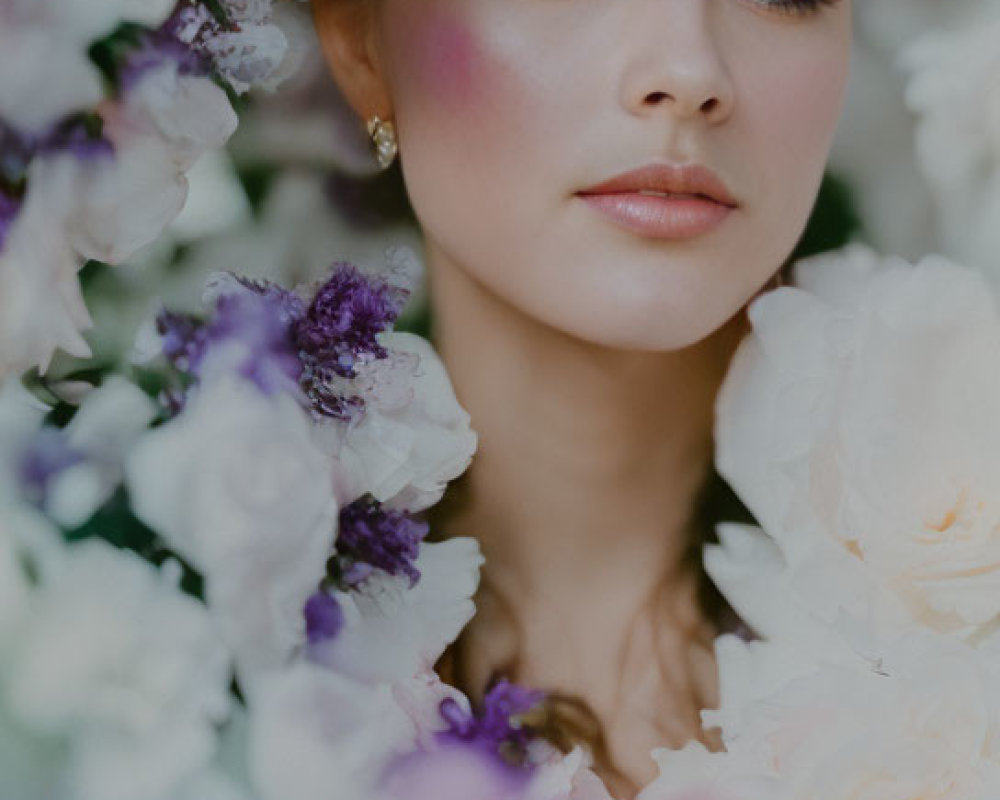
[667,180]
[663,201]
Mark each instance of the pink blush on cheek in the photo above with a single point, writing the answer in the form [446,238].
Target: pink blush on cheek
[449,59]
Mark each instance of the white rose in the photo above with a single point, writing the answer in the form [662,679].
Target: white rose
[921,723]
[413,437]
[41,307]
[102,431]
[316,735]
[47,76]
[116,204]
[237,485]
[694,773]
[120,669]
[192,114]
[393,633]
[859,414]
[43,54]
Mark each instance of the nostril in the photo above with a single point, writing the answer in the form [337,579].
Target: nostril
[655,98]
[710,105]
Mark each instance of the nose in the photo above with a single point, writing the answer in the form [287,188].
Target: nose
[678,65]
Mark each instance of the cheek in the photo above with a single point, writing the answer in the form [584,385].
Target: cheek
[447,59]
[799,108]
[458,82]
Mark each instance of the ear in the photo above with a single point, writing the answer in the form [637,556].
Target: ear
[347,34]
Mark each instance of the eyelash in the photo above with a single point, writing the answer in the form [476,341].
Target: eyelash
[797,7]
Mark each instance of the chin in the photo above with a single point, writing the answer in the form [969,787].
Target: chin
[644,327]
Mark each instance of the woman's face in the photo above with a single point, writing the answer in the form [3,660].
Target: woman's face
[507,110]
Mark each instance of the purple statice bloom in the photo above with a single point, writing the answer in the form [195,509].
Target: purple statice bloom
[324,617]
[192,24]
[252,326]
[345,317]
[259,323]
[496,728]
[183,339]
[10,206]
[156,48]
[327,399]
[47,456]
[81,135]
[16,151]
[371,537]
[288,305]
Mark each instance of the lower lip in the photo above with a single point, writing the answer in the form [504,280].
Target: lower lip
[680,217]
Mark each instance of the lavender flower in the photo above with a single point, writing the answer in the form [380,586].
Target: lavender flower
[345,317]
[47,455]
[156,48]
[80,135]
[9,208]
[372,537]
[183,339]
[497,728]
[324,617]
[276,340]
[192,24]
[251,327]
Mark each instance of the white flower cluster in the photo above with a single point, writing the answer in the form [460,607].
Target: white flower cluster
[115,684]
[920,139]
[95,165]
[858,424]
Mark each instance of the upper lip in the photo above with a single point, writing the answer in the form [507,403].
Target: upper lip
[677,179]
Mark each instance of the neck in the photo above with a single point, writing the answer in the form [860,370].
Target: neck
[590,458]
[581,493]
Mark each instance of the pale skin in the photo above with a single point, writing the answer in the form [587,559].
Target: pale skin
[589,356]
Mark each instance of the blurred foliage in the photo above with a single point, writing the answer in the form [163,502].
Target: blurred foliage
[834,220]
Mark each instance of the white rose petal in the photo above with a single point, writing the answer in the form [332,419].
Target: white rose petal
[237,486]
[392,632]
[316,735]
[816,427]
[122,669]
[405,453]
[41,307]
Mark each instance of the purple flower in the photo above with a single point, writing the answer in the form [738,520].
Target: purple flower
[283,341]
[192,24]
[324,617]
[156,48]
[183,339]
[451,773]
[497,727]
[251,328]
[372,537]
[47,455]
[81,135]
[342,322]
[288,305]
[259,323]
[10,206]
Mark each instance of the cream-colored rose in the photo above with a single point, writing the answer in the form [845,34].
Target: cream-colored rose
[862,414]
[920,724]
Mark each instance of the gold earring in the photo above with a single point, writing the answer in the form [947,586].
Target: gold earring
[383,136]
